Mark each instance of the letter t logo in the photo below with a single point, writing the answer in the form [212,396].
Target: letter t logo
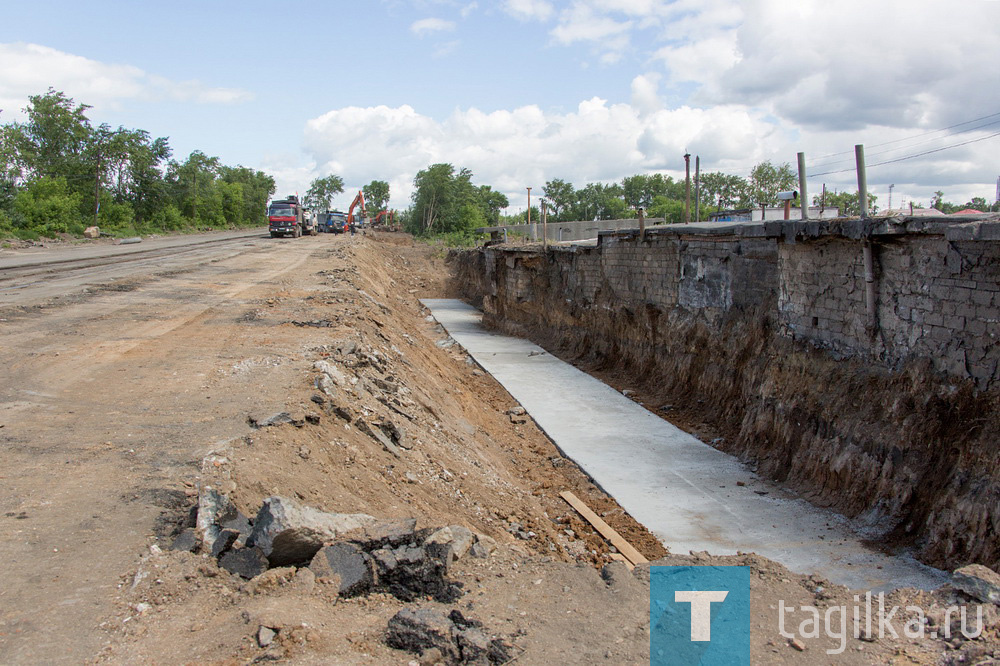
[701,610]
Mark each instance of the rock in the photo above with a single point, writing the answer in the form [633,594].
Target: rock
[797,644]
[376,433]
[422,629]
[336,375]
[265,636]
[386,533]
[460,538]
[350,563]
[214,509]
[92,232]
[245,562]
[289,533]
[483,547]
[224,542]
[272,420]
[187,540]
[979,582]
[517,411]
[474,646]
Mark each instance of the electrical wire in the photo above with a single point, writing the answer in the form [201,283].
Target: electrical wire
[910,157]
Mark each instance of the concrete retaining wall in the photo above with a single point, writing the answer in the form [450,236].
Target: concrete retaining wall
[765,330]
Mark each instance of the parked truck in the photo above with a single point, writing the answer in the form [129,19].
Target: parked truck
[288,217]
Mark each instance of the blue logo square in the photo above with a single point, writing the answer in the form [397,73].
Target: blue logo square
[699,615]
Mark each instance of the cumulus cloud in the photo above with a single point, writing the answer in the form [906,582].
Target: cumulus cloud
[512,149]
[529,10]
[30,69]
[429,26]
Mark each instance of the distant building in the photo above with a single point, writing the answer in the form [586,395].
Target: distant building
[767,214]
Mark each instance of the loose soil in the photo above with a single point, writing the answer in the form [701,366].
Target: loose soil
[122,406]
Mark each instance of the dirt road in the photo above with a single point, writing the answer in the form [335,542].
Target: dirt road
[110,394]
[128,390]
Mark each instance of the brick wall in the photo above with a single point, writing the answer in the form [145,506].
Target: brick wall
[936,287]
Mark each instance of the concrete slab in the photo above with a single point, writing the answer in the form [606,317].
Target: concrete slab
[681,489]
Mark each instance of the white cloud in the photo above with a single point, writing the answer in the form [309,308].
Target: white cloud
[30,69]
[429,26]
[512,149]
[529,10]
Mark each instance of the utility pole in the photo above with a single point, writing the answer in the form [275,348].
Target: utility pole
[687,188]
[529,205]
[697,188]
[545,226]
[890,195]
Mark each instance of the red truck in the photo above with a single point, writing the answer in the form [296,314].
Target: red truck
[287,217]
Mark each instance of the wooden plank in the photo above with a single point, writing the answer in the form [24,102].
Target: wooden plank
[623,546]
[618,557]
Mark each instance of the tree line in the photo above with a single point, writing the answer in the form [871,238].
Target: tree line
[59,174]
[446,201]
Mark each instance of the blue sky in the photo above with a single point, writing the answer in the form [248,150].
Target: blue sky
[523,91]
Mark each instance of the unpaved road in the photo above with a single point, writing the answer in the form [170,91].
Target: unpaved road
[103,404]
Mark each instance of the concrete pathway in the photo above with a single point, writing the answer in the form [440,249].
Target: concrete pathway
[681,489]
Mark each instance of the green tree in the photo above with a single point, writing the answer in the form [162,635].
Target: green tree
[257,187]
[765,181]
[321,191]
[722,189]
[54,141]
[847,203]
[561,197]
[492,202]
[376,195]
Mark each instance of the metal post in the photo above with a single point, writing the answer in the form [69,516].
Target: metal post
[697,188]
[545,226]
[642,225]
[803,196]
[687,188]
[529,205]
[859,155]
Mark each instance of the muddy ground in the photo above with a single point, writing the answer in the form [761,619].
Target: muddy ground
[122,405]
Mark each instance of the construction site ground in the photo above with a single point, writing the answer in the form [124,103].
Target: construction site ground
[126,395]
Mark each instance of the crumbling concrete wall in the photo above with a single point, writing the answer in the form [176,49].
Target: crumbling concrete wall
[764,330]
[935,299]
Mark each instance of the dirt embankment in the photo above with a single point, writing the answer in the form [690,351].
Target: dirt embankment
[909,454]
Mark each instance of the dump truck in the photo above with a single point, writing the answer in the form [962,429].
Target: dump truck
[288,217]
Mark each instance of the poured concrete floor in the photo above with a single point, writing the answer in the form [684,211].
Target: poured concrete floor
[681,489]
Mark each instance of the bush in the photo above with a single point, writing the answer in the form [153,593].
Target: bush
[46,207]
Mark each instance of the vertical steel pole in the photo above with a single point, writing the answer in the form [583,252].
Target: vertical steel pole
[803,195]
[859,155]
[687,188]
[697,188]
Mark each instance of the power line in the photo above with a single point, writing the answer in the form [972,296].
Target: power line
[917,136]
[910,157]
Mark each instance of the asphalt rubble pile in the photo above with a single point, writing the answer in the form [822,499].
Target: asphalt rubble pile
[357,554]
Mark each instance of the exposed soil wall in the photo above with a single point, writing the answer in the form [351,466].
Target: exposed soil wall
[874,426]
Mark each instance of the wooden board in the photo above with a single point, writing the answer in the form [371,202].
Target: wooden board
[623,546]
[618,557]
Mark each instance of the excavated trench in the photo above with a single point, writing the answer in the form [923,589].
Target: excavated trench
[907,453]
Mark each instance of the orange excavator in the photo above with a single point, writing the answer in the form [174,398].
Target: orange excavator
[386,217]
[360,199]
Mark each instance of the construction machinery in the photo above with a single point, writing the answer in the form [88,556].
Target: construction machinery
[351,220]
[288,217]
